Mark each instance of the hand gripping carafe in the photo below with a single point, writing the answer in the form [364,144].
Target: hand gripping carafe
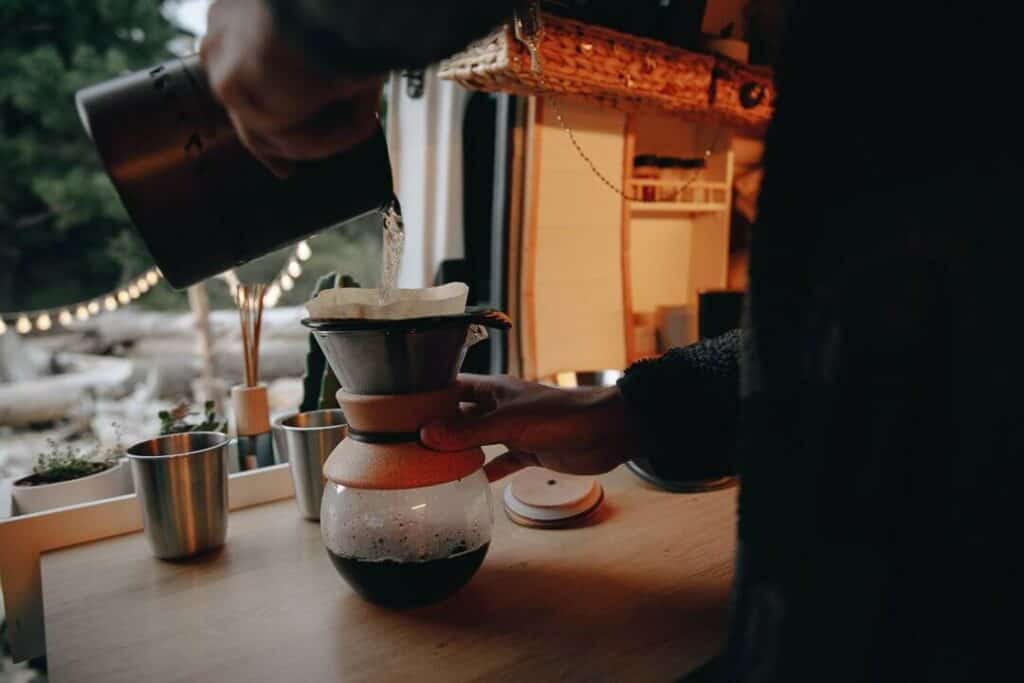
[402,524]
[200,201]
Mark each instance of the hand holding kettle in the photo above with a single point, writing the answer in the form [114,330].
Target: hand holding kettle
[284,108]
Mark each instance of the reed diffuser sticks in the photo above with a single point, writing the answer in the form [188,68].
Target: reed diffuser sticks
[250,313]
[249,399]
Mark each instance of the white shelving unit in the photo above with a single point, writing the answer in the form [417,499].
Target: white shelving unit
[697,196]
[676,245]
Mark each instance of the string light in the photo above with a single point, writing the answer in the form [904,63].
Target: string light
[45,319]
[285,280]
[272,295]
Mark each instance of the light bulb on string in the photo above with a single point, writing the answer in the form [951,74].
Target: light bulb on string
[94,307]
[123,297]
[3,326]
[133,292]
[43,322]
[65,317]
[287,283]
[82,313]
[142,285]
[272,295]
[152,277]
[294,269]
[303,251]
[110,303]
[24,325]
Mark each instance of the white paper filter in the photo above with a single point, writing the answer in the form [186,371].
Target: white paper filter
[355,302]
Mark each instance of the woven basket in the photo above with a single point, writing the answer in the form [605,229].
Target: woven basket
[615,69]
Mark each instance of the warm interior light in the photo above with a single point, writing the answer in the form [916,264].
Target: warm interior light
[566,380]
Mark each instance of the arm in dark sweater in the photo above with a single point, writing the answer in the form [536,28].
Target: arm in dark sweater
[383,35]
[686,406]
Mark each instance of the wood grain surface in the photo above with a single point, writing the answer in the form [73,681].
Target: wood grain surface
[639,594]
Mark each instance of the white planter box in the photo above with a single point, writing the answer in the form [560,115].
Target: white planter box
[110,483]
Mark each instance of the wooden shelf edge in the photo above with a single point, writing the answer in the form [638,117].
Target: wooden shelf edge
[676,207]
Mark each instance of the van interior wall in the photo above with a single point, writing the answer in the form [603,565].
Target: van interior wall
[574,297]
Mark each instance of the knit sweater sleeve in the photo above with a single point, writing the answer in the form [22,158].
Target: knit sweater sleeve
[685,407]
[382,35]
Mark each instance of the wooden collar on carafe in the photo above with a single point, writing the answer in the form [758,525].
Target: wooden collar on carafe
[383,449]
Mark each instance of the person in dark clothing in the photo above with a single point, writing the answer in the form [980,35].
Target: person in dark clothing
[870,403]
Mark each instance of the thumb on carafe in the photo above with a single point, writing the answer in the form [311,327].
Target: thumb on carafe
[468,432]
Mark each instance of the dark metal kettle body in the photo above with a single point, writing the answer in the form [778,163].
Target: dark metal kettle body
[201,203]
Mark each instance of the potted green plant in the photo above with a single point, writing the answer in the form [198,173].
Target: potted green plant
[66,475]
[176,420]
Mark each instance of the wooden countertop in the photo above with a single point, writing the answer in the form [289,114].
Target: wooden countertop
[638,595]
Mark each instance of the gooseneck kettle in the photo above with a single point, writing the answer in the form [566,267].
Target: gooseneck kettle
[200,201]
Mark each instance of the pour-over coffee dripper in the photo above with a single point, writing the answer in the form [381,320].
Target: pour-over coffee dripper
[404,525]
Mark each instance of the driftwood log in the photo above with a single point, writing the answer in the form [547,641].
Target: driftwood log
[52,397]
[123,348]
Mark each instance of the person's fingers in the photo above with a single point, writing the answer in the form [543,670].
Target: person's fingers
[462,433]
[473,410]
[279,105]
[264,151]
[334,129]
[509,463]
[483,390]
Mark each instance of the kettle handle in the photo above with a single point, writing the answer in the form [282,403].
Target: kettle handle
[489,317]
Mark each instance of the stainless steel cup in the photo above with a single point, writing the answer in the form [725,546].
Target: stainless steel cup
[182,484]
[305,440]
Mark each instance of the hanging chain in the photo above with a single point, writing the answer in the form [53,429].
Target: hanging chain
[529,30]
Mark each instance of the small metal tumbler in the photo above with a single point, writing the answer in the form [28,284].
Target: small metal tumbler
[182,484]
[305,440]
